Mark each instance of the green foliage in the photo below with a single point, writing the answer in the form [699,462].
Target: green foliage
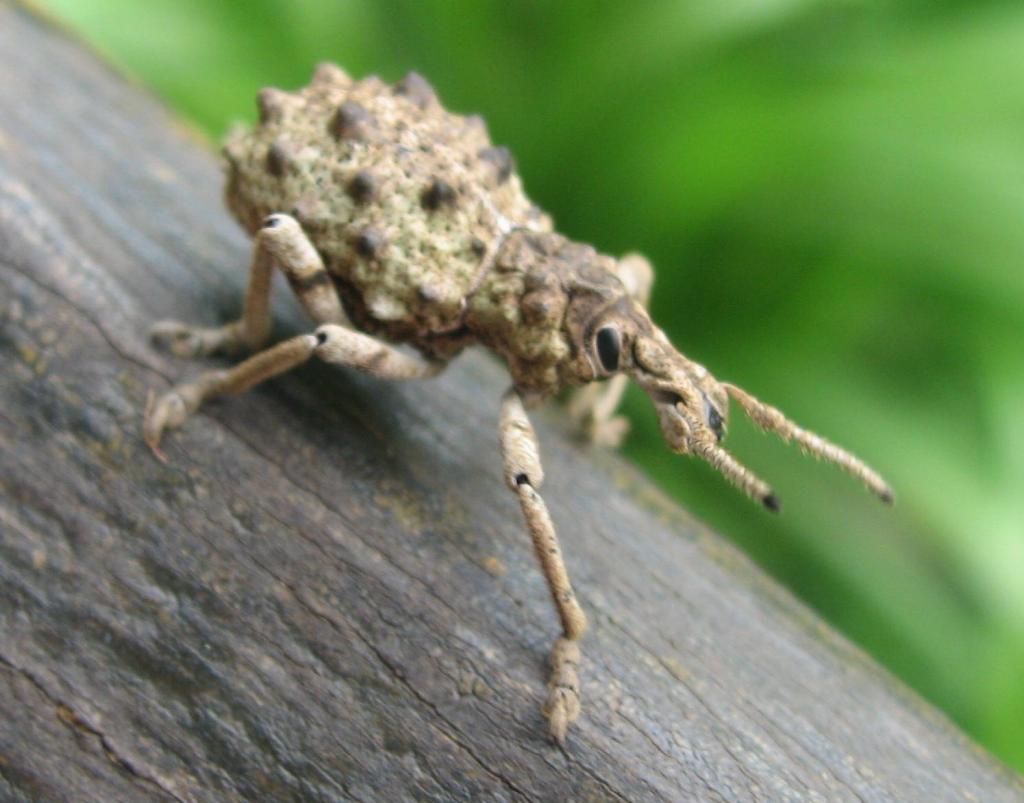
[833,195]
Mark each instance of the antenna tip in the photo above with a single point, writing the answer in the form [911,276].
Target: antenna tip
[772,502]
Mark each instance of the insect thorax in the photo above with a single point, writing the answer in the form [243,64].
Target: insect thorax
[536,305]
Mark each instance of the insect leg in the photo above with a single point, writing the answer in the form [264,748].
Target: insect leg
[343,346]
[281,241]
[524,475]
[593,406]
[637,275]
[331,343]
[172,408]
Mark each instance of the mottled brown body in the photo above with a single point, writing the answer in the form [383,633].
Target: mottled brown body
[422,223]
[393,218]
[407,203]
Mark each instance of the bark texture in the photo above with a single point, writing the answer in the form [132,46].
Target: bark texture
[328,593]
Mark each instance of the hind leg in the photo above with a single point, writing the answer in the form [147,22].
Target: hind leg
[593,406]
[281,241]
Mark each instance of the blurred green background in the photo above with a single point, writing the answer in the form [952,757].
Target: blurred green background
[833,196]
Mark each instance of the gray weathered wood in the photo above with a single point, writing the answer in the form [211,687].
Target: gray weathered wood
[328,594]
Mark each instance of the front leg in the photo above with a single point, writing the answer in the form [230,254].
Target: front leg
[592,408]
[524,475]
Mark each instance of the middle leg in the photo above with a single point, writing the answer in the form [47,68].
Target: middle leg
[331,343]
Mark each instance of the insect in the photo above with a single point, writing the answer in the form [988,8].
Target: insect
[398,222]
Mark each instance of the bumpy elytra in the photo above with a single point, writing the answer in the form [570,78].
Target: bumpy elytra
[396,221]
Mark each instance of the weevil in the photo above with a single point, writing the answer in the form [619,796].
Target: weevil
[398,222]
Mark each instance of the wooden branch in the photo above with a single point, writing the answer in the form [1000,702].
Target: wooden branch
[328,593]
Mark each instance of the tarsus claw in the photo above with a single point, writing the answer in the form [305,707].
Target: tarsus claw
[166,411]
[563,703]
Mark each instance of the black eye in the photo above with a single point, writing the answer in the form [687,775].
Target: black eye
[608,348]
[714,419]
